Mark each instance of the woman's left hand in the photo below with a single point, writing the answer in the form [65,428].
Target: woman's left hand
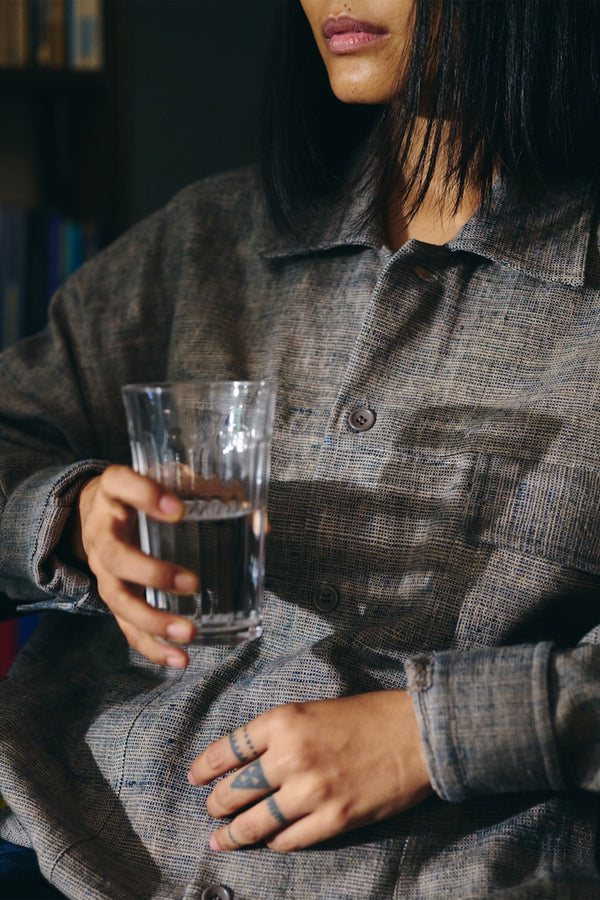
[314,770]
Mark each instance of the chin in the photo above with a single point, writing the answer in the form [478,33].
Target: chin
[351,94]
[358,87]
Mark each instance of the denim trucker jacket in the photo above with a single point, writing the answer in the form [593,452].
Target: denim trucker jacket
[459,535]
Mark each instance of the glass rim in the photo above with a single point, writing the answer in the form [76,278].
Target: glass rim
[160,387]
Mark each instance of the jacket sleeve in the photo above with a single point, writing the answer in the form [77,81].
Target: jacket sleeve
[516,718]
[61,418]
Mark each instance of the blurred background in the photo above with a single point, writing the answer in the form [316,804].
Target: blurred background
[192,83]
[169,93]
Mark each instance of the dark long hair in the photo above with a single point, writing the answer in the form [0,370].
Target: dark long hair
[516,82]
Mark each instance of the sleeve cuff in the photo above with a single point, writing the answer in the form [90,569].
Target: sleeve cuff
[485,722]
[32,525]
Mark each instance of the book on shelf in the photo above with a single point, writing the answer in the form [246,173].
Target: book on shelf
[49,33]
[39,249]
[15,33]
[52,34]
[85,34]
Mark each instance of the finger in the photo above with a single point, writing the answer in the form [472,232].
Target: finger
[256,824]
[131,564]
[321,822]
[243,787]
[317,826]
[124,486]
[229,752]
[154,649]
[127,604]
[311,829]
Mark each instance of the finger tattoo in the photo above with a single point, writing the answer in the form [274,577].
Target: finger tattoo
[237,751]
[248,740]
[276,812]
[232,839]
[252,777]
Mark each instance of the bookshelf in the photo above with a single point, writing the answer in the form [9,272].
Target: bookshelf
[60,108]
[57,144]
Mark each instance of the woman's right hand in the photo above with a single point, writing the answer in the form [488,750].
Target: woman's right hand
[103,533]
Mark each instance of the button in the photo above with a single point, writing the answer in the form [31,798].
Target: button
[361,419]
[326,598]
[216,892]
[424,274]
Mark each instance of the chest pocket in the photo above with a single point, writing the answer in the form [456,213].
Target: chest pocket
[549,510]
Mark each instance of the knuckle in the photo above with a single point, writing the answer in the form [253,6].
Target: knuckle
[318,789]
[149,493]
[118,481]
[300,755]
[216,756]
[145,485]
[121,597]
[158,574]
[111,477]
[295,711]
[341,814]
[304,752]
[152,573]
[216,803]
[105,551]
[248,831]
[287,717]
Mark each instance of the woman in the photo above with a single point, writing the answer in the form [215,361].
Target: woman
[420,718]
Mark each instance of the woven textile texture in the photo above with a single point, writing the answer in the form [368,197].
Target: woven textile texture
[461,532]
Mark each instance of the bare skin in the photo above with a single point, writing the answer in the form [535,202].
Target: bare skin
[314,770]
[436,221]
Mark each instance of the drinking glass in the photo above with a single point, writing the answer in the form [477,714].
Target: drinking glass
[209,444]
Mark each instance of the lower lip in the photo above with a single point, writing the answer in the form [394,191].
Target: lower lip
[351,41]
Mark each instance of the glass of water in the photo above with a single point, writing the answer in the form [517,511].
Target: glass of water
[209,444]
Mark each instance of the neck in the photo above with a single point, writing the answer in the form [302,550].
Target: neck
[438,218]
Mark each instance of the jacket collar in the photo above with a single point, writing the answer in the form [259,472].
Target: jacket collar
[339,223]
[549,242]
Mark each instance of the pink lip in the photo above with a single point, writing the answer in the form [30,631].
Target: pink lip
[345,34]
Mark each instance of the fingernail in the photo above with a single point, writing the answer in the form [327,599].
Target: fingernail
[213,843]
[185,581]
[176,662]
[191,778]
[169,504]
[179,631]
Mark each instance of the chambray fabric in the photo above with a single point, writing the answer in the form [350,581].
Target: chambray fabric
[462,532]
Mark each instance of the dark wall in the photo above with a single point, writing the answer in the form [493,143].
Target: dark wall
[193,75]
